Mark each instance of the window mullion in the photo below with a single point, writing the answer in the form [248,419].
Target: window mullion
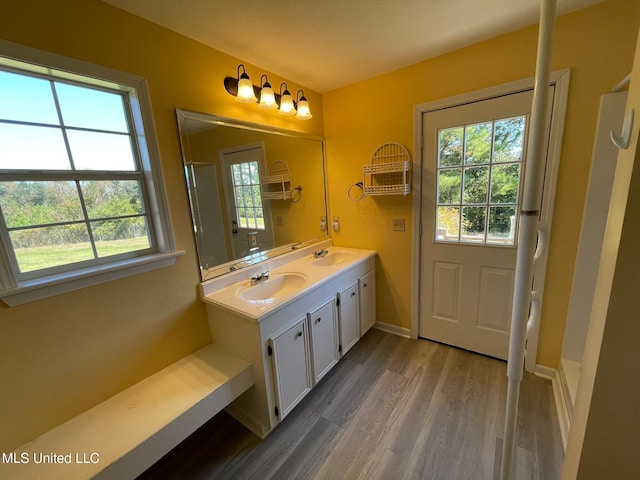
[56,101]
[86,220]
[8,262]
[487,212]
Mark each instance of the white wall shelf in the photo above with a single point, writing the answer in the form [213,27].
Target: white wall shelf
[389,171]
[277,184]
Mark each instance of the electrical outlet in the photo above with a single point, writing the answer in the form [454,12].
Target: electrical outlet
[398,224]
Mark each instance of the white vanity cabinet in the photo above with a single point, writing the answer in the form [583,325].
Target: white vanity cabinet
[290,359]
[349,317]
[324,339]
[294,344]
[367,286]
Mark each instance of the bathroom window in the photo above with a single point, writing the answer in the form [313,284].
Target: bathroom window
[478,177]
[80,190]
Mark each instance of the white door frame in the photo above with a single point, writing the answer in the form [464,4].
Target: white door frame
[561,81]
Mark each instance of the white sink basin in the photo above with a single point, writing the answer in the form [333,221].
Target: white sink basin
[277,286]
[333,258]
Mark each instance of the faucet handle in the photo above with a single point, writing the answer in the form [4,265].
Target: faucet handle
[265,274]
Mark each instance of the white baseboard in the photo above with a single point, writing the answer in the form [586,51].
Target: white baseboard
[394,329]
[562,404]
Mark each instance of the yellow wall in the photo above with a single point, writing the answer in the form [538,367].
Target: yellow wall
[62,355]
[597,43]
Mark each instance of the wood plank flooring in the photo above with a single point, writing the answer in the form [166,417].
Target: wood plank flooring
[392,408]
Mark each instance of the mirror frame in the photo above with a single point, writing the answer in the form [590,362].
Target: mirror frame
[182,115]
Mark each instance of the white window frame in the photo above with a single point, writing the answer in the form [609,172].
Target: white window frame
[16,292]
[487,204]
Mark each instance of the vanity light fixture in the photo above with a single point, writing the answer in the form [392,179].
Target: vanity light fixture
[267,97]
[245,87]
[286,101]
[241,88]
[303,112]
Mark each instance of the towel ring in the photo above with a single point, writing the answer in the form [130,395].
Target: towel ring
[360,186]
[299,190]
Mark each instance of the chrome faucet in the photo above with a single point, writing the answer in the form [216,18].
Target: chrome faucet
[320,253]
[259,276]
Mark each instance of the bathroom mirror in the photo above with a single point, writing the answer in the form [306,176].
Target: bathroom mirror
[255,191]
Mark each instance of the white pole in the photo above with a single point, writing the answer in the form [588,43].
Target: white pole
[527,236]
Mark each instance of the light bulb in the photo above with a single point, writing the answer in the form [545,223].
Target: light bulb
[245,90]
[267,98]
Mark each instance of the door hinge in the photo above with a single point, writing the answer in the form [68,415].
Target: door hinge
[269,350]
[277,412]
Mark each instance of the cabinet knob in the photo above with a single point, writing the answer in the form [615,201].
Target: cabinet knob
[365,285]
[299,334]
[318,320]
[353,294]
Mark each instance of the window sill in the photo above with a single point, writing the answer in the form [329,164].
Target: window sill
[41,288]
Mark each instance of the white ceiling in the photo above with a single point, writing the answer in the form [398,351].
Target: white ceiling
[326,44]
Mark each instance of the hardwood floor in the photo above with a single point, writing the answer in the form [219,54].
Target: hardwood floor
[392,408]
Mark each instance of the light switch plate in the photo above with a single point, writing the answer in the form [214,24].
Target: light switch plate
[398,224]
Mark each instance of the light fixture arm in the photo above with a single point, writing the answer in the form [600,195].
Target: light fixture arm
[244,72]
[286,89]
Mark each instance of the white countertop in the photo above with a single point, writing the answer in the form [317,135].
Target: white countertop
[224,292]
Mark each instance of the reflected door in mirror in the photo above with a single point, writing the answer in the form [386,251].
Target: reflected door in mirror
[251,226]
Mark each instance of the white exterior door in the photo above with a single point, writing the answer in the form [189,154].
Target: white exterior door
[249,216]
[473,163]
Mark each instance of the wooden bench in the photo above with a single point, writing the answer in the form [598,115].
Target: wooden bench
[123,436]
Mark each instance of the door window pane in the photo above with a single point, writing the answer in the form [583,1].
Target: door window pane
[477,143]
[502,225]
[448,224]
[449,183]
[248,199]
[505,183]
[508,140]
[473,224]
[450,141]
[475,184]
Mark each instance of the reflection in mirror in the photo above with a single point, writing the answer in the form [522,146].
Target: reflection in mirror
[255,192]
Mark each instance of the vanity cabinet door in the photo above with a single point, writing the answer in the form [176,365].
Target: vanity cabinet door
[367,284]
[324,339]
[291,361]
[348,317]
